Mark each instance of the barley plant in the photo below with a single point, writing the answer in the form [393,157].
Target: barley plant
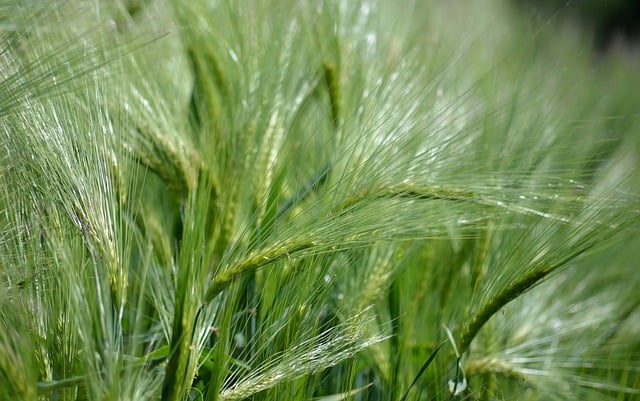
[315,200]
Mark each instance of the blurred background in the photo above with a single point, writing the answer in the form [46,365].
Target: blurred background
[612,23]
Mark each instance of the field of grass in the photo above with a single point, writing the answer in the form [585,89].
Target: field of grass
[315,200]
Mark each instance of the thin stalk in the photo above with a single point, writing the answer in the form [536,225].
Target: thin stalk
[511,292]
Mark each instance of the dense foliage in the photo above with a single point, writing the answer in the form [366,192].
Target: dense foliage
[326,199]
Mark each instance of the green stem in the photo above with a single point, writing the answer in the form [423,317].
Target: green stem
[508,294]
[50,386]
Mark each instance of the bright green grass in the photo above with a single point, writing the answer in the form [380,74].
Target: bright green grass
[284,200]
